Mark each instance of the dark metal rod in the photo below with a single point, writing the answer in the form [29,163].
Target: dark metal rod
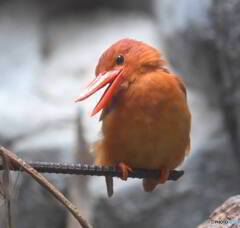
[93,170]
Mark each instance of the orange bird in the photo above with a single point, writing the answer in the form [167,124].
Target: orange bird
[146,120]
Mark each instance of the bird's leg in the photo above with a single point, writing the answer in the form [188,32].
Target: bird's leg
[124,168]
[164,175]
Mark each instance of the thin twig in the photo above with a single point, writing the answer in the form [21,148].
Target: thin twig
[18,162]
[93,170]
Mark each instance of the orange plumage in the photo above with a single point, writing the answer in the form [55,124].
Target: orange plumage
[146,120]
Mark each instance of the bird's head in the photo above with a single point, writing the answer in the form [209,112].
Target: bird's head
[125,60]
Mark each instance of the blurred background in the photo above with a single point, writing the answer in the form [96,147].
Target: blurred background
[48,53]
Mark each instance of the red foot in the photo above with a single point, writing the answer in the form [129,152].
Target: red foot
[124,170]
[164,175]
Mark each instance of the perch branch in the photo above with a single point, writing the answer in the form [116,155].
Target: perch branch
[93,170]
[17,162]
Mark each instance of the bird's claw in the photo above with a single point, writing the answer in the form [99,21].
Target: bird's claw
[124,169]
[164,175]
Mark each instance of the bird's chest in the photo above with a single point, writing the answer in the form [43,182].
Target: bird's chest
[137,120]
[148,126]
[142,118]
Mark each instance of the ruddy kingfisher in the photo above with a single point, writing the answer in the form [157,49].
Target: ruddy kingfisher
[146,121]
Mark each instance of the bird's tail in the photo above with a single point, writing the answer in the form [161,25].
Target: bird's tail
[99,149]
[109,184]
[149,184]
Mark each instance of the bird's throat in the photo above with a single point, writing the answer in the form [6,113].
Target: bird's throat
[115,100]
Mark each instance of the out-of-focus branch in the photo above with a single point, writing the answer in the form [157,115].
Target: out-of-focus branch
[225,216]
[78,186]
[15,161]
[5,191]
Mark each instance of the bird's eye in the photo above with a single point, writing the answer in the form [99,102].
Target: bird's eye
[119,60]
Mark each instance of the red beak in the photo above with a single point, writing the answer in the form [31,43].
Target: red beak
[113,78]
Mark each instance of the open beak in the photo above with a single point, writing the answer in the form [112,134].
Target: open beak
[114,78]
